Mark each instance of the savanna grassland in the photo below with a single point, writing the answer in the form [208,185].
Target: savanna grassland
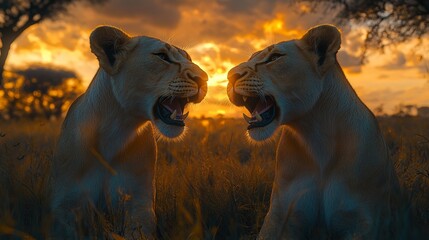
[212,185]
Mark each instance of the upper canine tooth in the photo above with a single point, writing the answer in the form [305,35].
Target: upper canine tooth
[185,115]
[187,99]
[244,98]
[258,117]
[248,119]
[200,93]
[173,115]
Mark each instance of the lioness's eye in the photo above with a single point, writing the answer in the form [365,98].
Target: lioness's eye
[274,57]
[163,56]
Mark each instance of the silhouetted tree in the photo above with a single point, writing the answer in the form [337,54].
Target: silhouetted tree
[17,15]
[388,21]
[403,110]
[39,91]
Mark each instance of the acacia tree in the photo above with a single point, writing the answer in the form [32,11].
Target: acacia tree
[388,21]
[18,15]
[39,91]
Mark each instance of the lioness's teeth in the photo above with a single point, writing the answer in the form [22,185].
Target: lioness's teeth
[258,117]
[173,115]
[185,116]
[187,99]
[248,119]
[244,98]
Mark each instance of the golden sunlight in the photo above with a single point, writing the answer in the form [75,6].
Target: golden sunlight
[212,63]
[67,44]
[109,131]
[276,26]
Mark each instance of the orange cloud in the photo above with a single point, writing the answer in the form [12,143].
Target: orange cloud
[219,35]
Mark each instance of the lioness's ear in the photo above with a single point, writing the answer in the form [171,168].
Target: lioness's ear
[323,40]
[111,47]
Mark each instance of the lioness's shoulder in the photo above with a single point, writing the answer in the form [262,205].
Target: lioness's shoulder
[71,111]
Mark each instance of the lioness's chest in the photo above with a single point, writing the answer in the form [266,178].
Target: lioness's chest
[331,205]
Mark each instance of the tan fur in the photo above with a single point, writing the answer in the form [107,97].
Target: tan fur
[106,147]
[334,178]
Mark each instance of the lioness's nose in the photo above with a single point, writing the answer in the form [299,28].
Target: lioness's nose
[200,78]
[235,74]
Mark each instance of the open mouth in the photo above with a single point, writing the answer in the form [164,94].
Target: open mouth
[170,110]
[263,110]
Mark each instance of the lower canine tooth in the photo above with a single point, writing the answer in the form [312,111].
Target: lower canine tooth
[258,117]
[173,115]
[185,116]
[248,119]
[244,98]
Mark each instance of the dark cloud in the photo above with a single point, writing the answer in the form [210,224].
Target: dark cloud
[162,13]
[298,20]
[247,6]
[218,30]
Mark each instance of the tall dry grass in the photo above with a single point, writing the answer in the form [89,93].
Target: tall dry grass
[213,185]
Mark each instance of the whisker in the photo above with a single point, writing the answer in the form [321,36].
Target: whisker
[296,95]
[171,38]
[171,98]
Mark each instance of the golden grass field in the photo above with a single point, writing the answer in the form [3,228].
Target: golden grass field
[213,185]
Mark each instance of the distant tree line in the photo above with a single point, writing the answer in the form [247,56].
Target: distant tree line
[404,110]
[38,92]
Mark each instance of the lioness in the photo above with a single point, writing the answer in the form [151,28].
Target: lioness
[106,148]
[333,177]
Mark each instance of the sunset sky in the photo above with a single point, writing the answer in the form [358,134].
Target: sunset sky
[219,35]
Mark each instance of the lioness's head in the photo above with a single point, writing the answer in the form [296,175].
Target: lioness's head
[284,81]
[151,79]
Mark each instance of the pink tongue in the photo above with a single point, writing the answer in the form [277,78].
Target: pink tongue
[263,106]
[173,105]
